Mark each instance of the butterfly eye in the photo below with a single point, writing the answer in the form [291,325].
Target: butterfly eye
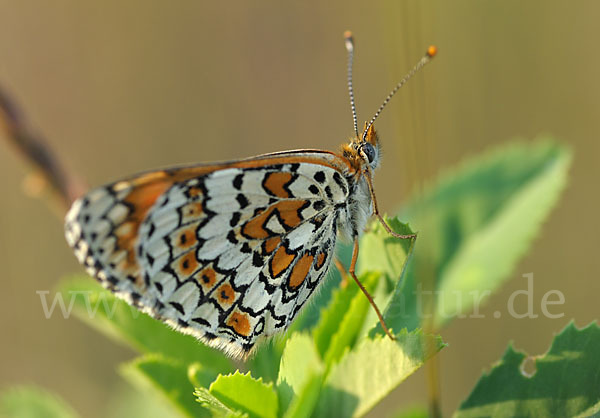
[369,151]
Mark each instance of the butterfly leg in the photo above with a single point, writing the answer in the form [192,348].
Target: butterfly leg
[342,270]
[351,270]
[378,215]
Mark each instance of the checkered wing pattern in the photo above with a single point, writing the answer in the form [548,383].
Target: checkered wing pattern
[227,253]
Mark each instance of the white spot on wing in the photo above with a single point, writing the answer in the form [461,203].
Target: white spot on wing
[256,297]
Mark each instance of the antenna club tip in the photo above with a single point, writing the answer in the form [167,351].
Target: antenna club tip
[349,40]
[432,51]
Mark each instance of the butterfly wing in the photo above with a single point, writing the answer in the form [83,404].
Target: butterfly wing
[228,253]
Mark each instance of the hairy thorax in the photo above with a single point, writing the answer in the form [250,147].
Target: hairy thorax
[354,216]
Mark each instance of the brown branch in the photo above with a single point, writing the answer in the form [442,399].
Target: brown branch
[35,150]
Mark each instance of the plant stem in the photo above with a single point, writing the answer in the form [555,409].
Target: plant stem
[66,187]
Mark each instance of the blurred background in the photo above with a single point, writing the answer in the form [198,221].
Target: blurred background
[119,87]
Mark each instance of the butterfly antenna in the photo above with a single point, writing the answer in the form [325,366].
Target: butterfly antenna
[350,48]
[431,52]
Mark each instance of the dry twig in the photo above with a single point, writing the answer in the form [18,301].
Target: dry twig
[35,150]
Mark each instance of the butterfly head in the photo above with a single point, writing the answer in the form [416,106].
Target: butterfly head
[363,149]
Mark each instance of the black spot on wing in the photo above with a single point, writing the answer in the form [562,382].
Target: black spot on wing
[151,230]
[201,321]
[150,259]
[231,237]
[319,176]
[257,260]
[178,307]
[337,177]
[242,200]
[158,286]
[235,218]
[238,180]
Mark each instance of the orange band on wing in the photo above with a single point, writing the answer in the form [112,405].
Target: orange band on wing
[271,244]
[300,271]
[323,158]
[275,183]
[320,261]
[139,201]
[288,212]
[281,261]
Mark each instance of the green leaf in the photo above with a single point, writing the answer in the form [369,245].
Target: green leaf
[373,369]
[218,408]
[200,375]
[566,382]
[300,364]
[352,322]
[33,402]
[381,252]
[241,392]
[303,404]
[265,363]
[343,319]
[332,315]
[115,318]
[475,224]
[166,377]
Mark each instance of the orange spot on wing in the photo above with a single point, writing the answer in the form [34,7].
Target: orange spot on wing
[194,192]
[225,294]
[320,261]
[300,270]
[271,244]
[276,182]
[187,264]
[240,323]
[186,238]
[281,261]
[192,211]
[207,278]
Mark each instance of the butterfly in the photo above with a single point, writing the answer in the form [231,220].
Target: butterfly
[231,252]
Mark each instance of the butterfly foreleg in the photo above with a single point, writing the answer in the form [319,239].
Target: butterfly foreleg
[342,270]
[376,210]
[352,272]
